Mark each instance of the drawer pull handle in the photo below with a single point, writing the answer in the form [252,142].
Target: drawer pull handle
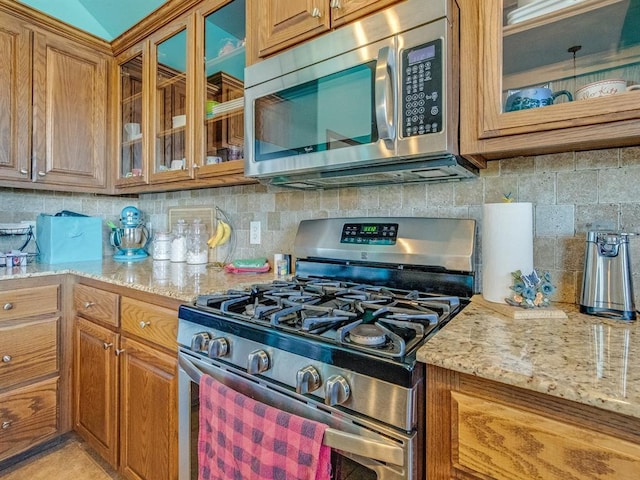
[8,306]
[107,346]
[6,359]
[335,4]
[88,304]
[119,351]
[316,12]
[144,324]
[6,424]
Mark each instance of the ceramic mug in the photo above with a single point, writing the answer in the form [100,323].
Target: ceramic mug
[604,88]
[533,98]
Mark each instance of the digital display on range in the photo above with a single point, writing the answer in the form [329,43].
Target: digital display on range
[369,233]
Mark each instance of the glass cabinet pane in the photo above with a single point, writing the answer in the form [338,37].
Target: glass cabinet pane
[171,103]
[224,72]
[557,51]
[131,160]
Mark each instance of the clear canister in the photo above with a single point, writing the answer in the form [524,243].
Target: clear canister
[162,246]
[179,242]
[197,248]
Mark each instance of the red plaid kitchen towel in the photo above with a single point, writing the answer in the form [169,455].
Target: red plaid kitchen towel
[243,439]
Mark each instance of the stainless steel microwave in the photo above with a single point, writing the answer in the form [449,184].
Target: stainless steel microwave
[374,102]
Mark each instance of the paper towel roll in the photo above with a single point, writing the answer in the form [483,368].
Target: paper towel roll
[507,246]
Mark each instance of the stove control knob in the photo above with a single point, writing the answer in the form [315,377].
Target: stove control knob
[337,390]
[307,380]
[218,347]
[258,362]
[200,342]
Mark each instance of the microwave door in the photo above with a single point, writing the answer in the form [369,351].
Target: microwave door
[322,117]
[427,90]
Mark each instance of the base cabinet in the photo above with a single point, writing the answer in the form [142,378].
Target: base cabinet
[478,429]
[126,382]
[32,405]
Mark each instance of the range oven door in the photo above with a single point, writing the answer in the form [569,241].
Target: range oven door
[361,450]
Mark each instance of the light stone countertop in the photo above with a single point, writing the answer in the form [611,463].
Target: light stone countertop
[587,359]
[583,358]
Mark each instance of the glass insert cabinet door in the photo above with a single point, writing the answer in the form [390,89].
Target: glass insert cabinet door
[570,52]
[224,62]
[131,119]
[171,93]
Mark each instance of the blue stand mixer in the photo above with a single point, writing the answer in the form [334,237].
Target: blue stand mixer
[132,238]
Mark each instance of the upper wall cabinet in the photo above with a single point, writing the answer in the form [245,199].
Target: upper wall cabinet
[283,23]
[541,77]
[180,102]
[53,129]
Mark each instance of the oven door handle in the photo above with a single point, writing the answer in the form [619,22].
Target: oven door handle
[335,439]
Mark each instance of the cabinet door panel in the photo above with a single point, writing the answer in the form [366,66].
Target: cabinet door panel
[28,416]
[28,350]
[282,23]
[349,10]
[96,388]
[15,99]
[148,414]
[70,110]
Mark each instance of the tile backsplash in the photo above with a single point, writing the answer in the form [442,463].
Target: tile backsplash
[571,192]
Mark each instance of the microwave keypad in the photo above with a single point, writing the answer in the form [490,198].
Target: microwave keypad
[422,89]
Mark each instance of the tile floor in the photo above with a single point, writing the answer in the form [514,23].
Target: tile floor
[70,460]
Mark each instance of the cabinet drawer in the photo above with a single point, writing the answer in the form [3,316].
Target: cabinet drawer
[153,323]
[96,304]
[509,443]
[28,416]
[28,350]
[27,302]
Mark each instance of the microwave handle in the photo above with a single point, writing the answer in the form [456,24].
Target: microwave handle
[384,94]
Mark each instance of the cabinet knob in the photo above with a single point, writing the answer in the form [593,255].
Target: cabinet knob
[41,173]
[8,306]
[107,346]
[6,424]
[24,171]
[144,324]
[6,358]
[196,166]
[88,304]
[335,4]
[316,12]
[119,351]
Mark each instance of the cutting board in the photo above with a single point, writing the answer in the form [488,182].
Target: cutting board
[518,313]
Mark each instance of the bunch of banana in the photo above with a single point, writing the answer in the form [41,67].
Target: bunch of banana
[223,232]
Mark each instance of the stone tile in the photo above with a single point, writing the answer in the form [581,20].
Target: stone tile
[630,217]
[495,188]
[492,170]
[599,216]
[554,220]
[630,156]
[577,187]
[348,198]
[537,188]
[414,195]
[517,165]
[570,253]
[469,192]
[439,194]
[556,162]
[597,159]
[618,185]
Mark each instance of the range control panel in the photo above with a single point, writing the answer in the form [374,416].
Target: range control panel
[422,89]
[370,233]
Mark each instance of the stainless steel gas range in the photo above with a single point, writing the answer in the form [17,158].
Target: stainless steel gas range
[337,343]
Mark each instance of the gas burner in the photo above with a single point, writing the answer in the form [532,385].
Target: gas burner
[367,334]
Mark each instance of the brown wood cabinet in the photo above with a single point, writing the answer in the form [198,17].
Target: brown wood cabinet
[54,122]
[30,365]
[502,54]
[126,381]
[479,429]
[283,24]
